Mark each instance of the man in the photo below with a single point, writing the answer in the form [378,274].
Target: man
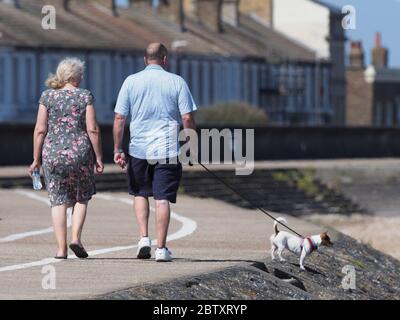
[158,101]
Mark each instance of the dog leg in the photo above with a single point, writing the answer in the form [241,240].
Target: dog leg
[280,249]
[302,257]
[273,249]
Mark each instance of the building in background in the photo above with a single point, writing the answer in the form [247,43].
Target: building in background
[223,50]
[317,26]
[373,93]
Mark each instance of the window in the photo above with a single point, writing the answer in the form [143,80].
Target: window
[29,85]
[389,114]
[2,79]
[195,79]
[15,75]
[378,114]
[26,82]
[397,99]
[205,84]
[103,75]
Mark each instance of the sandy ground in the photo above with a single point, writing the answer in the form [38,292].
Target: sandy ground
[382,233]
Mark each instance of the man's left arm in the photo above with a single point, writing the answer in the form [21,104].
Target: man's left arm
[187,107]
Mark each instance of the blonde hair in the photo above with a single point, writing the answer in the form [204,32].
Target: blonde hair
[68,69]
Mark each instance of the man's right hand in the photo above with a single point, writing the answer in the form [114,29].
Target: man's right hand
[120,159]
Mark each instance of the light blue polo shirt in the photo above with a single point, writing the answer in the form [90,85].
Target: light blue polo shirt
[156,100]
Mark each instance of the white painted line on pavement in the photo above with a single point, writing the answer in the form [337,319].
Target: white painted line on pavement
[18,236]
[188,227]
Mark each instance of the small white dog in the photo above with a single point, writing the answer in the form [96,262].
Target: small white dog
[282,239]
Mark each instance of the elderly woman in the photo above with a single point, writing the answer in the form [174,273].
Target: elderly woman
[68,143]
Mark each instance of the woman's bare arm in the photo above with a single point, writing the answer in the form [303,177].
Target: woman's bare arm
[38,138]
[93,130]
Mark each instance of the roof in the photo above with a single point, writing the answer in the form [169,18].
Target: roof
[84,27]
[6,39]
[91,25]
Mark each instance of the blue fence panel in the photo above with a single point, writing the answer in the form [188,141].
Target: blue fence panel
[283,90]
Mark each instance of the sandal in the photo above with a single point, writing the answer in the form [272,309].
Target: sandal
[61,257]
[79,251]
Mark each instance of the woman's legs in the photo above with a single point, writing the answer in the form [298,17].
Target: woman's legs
[78,219]
[59,215]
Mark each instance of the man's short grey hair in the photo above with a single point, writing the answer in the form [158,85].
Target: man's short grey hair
[156,52]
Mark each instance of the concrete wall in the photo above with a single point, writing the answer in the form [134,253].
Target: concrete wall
[271,143]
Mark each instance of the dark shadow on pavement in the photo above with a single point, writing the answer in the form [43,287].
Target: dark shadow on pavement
[308,269]
[177,260]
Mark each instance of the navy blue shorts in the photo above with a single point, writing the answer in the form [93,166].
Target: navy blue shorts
[160,180]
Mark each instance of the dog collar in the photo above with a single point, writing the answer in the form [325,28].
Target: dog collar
[312,245]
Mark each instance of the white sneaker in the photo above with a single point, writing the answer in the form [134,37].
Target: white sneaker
[163,255]
[144,248]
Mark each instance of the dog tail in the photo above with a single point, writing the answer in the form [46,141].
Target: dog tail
[280,219]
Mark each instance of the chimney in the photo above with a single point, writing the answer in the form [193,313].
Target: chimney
[356,55]
[14,3]
[263,9]
[189,7]
[230,12]
[379,54]
[114,7]
[66,5]
[174,10]
[209,12]
[110,4]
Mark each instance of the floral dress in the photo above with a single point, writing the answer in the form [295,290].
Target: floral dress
[67,154]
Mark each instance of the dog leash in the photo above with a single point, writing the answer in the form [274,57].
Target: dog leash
[247,200]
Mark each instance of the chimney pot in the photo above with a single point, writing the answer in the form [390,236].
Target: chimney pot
[356,55]
[378,40]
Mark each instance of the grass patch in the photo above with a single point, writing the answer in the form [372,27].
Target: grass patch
[281,176]
[357,263]
[231,113]
[181,190]
[305,182]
